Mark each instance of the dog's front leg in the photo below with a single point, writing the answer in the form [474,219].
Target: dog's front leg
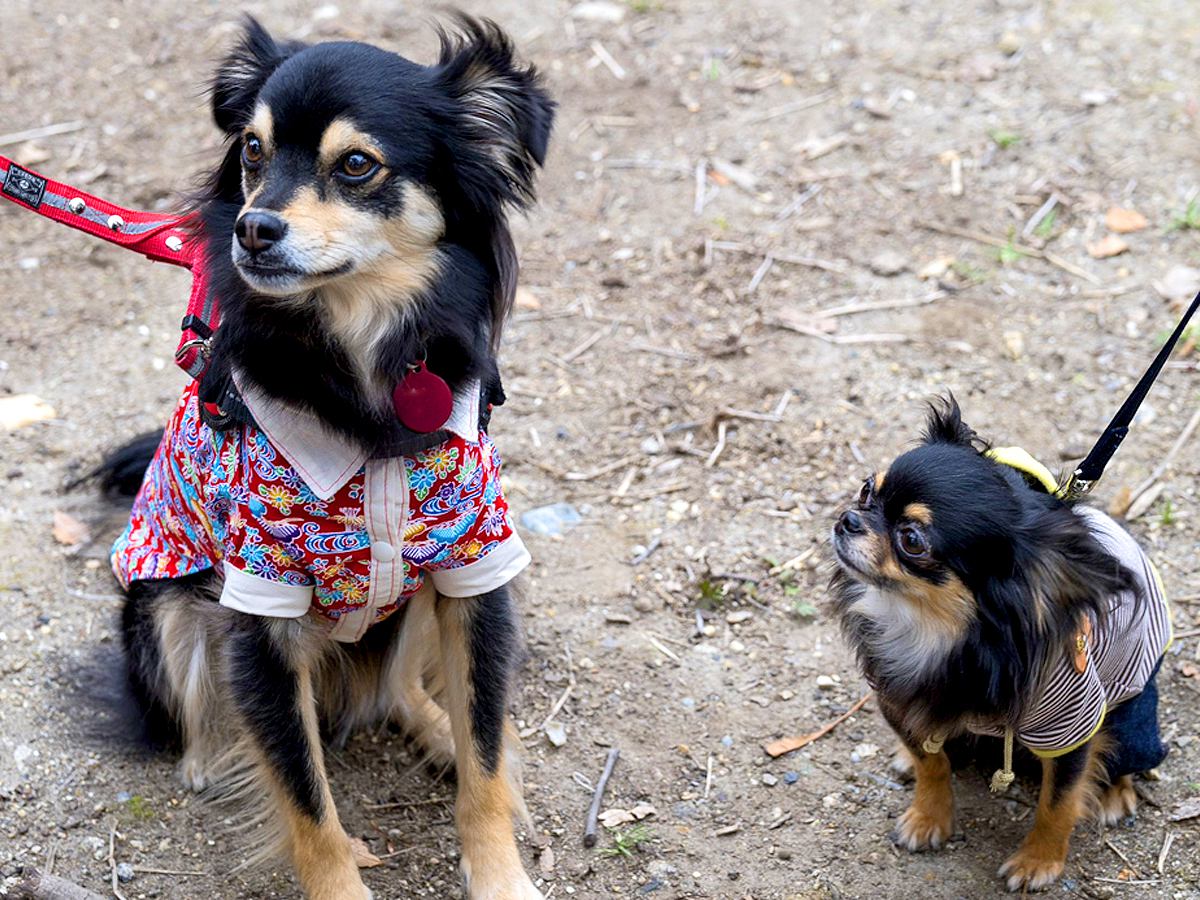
[1043,854]
[271,663]
[479,653]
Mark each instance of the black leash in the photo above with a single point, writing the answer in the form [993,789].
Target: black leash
[1084,478]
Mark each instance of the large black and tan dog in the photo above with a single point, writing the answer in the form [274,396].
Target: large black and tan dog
[320,542]
[979,602]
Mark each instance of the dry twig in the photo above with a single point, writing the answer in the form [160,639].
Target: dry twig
[38,885]
[593,813]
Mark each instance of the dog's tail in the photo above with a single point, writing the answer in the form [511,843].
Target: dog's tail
[120,473]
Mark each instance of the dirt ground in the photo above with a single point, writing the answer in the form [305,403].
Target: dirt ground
[682,391]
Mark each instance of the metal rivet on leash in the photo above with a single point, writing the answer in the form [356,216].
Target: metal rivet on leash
[174,244]
[115,222]
[76,205]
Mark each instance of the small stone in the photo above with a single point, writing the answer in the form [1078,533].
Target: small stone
[769,780]
[651,446]
[555,519]
[617,618]
[785,694]
[556,733]
[738,616]
[825,683]
[1095,97]
[736,647]
[643,603]
[1009,43]
[124,872]
[889,263]
[790,777]
[599,11]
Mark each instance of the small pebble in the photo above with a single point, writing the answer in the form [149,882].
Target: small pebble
[738,616]
[889,263]
[124,873]
[825,683]
[790,777]
[769,780]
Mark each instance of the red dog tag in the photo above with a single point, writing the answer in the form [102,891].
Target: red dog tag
[422,400]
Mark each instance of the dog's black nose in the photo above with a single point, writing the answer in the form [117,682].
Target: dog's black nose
[258,231]
[851,522]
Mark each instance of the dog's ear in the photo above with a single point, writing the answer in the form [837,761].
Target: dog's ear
[945,425]
[243,72]
[502,109]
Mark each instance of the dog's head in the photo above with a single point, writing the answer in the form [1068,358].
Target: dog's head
[951,551]
[351,165]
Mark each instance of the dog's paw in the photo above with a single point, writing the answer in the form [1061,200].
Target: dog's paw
[923,829]
[1029,870]
[1118,801]
[193,773]
[506,889]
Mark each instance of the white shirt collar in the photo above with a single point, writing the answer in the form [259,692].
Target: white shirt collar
[327,460]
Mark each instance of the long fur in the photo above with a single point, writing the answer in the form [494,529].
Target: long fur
[473,129]
[1031,564]
[253,701]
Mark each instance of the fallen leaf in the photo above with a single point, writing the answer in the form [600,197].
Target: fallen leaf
[1185,809]
[642,810]
[526,299]
[1014,343]
[936,268]
[1119,504]
[1109,245]
[614,818]
[363,858]
[1124,221]
[20,410]
[68,530]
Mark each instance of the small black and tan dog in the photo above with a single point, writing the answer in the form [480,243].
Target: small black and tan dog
[978,602]
[312,551]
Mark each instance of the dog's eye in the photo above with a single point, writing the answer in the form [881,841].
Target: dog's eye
[357,166]
[864,495]
[252,151]
[912,542]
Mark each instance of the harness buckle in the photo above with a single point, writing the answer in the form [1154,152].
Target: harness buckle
[204,345]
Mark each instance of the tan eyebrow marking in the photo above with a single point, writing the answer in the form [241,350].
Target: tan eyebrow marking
[340,137]
[919,512]
[262,126]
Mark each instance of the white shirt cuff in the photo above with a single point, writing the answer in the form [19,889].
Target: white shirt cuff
[258,596]
[497,569]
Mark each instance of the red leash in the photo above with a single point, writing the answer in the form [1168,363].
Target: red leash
[158,236]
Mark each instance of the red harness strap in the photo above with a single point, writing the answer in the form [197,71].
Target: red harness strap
[158,236]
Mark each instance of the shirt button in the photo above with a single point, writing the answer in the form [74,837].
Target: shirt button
[382,551]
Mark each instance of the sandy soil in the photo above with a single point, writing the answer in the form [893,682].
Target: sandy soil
[826,131]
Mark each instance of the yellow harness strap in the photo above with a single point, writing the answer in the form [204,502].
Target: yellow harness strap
[1019,459]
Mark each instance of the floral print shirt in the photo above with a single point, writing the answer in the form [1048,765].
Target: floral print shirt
[301,522]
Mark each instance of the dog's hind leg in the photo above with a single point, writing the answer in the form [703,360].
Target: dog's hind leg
[169,643]
[479,650]
[271,671]
[415,657]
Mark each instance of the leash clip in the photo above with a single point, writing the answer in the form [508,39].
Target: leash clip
[1075,487]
